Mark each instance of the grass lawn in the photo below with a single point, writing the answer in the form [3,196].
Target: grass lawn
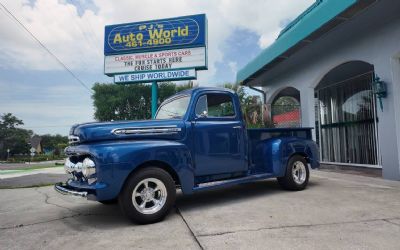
[27,168]
[39,167]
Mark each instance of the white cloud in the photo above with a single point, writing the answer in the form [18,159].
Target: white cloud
[233,66]
[78,40]
[61,30]
[268,38]
[45,107]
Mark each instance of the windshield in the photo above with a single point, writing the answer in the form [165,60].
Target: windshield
[173,109]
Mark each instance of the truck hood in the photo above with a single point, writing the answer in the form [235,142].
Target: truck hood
[146,129]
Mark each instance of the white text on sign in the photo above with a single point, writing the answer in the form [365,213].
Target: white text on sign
[156,61]
[156,76]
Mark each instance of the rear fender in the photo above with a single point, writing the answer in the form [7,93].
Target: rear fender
[306,148]
[272,155]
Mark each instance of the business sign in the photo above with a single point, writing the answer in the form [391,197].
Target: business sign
[170,75]
[156,61]
[178,32]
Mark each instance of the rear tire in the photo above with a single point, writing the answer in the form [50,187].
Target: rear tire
[297,174]
[148,195]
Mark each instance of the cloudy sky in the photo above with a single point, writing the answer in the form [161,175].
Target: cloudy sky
[38,90]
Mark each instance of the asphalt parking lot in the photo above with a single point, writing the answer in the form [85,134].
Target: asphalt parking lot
[336,211]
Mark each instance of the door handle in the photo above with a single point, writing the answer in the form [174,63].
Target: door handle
[237,127]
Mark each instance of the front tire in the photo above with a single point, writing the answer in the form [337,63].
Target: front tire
[148,195]
[297,174]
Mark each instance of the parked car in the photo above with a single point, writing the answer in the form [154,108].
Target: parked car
[197,141]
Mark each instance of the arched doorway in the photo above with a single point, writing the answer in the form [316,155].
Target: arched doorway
[346,115]
[285,108]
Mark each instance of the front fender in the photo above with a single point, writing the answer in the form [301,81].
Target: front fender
[115,160]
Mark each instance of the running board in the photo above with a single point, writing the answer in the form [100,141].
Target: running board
[231,182]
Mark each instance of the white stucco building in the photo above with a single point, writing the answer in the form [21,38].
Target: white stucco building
[328,59]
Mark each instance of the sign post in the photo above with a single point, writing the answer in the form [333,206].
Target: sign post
[154,99]
[32,150]
[153,51]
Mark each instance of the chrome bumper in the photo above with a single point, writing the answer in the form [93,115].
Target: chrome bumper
[66,190]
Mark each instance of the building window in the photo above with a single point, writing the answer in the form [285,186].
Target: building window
[285,109]
[346,116]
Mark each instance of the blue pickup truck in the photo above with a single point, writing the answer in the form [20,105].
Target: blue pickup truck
[197,141]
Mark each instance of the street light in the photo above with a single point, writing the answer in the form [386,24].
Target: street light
[8,153]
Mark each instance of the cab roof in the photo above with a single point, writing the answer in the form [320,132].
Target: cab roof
[202,89]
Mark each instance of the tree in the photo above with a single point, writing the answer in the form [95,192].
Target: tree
[9,121]
[54,143]
[11,137]
[129,102]
[251,106]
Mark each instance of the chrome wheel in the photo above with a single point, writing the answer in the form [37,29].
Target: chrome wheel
[149,196]
[299,172]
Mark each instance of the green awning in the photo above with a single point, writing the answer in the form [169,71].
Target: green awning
[297,34]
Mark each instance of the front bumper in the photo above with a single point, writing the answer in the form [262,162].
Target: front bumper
[65,189]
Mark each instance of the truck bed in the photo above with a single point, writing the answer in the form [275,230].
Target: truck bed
[257,134]
[262,147]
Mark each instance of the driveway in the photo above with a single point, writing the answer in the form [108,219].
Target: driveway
[336,211]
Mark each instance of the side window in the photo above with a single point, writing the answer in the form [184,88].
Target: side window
[215,105]
[201,106]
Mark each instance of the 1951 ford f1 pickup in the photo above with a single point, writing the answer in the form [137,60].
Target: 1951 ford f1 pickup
[197,141]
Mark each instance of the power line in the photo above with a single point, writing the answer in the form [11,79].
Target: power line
[81,49]
[45,48]
[89,39]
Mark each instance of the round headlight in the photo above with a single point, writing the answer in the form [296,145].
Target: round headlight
[88,167]
[68,166]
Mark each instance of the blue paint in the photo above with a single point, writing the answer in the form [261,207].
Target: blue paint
[178,32]
[202,150]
